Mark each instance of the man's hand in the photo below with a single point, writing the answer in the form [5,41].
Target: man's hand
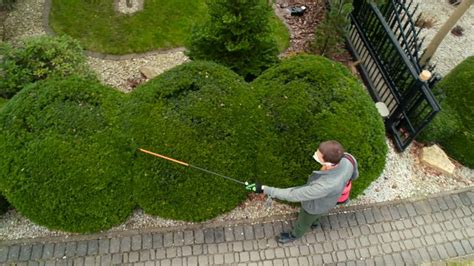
[255,187]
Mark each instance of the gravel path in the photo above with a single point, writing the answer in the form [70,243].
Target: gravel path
[453,49]
[121,73]
[26,20]
[402,177]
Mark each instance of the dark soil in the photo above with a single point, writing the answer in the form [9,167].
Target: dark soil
[302,28]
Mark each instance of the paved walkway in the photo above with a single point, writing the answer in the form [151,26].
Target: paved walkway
[406,232]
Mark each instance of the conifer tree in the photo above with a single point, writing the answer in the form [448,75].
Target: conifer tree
[237,35]
[329,35]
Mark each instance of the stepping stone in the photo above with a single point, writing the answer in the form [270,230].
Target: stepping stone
[149,72]
[128,6]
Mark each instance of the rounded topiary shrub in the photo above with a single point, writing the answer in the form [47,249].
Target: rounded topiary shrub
[453,127]
[310,99]
[201,113]
[38,58]
[64,162]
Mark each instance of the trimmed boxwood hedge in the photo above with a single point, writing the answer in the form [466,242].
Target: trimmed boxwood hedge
[310,99]
[63,161]
[68,148]
[453,128]
[201,113]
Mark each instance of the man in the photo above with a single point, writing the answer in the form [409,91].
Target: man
[321,192]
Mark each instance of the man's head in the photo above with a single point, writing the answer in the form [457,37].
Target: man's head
[330,152]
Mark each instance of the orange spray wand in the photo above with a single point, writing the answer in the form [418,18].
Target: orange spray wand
[192,166]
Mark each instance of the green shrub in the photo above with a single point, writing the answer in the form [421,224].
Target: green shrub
[453,128]
[446,123]
[2,102]
[39,58]
[311,99]
[201,113]
[63,161]
[237,35]
[4,205]
[7,4]
[330,33]
[68,148]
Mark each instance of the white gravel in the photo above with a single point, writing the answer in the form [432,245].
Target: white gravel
[453,49]
[119,73]
[402,177]
[25,20]
[405,176]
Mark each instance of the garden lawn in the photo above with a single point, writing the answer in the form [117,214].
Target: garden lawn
[161,25]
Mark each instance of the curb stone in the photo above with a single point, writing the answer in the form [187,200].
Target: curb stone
[435,229]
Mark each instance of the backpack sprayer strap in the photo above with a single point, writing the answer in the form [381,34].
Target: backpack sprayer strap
[351,159]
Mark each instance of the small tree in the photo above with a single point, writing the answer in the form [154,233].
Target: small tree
[237,35]
[329,35]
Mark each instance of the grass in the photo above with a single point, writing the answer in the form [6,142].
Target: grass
[282,36]
[161,25]
[2,102]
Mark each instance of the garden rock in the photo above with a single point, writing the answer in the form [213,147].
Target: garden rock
[436,158]
[149,72]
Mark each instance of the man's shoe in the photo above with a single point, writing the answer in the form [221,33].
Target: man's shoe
[286,238]
[314,226]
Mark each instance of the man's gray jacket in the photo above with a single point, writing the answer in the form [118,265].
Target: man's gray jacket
[321,192]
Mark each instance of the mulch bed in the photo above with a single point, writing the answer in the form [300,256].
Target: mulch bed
[302,28]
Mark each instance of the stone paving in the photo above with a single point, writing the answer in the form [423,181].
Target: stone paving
[407,232]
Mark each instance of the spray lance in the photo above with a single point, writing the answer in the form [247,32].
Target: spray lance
[248,186]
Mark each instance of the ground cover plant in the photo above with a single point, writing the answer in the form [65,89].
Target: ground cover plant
[453,127]
[38,58]
[162,24]
[201,113]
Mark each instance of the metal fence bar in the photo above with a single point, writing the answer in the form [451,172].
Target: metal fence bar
[386,44]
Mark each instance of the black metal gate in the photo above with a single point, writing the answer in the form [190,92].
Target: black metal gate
[385,43]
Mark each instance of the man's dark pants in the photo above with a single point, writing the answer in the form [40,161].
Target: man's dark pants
[304,222]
